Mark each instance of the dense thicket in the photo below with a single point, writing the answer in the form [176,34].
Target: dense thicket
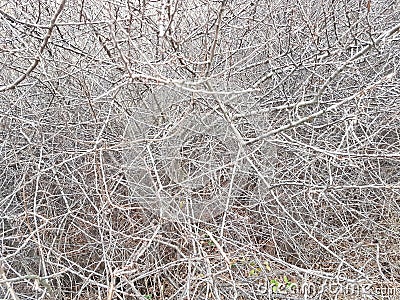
[197,149]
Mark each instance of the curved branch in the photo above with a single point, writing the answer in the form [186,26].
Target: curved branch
[41,49]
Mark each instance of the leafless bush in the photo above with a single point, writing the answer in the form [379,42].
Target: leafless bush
[197,149]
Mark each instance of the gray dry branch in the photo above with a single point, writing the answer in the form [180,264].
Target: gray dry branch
[199,149]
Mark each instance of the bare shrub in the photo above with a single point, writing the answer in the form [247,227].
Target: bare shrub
[197,149]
